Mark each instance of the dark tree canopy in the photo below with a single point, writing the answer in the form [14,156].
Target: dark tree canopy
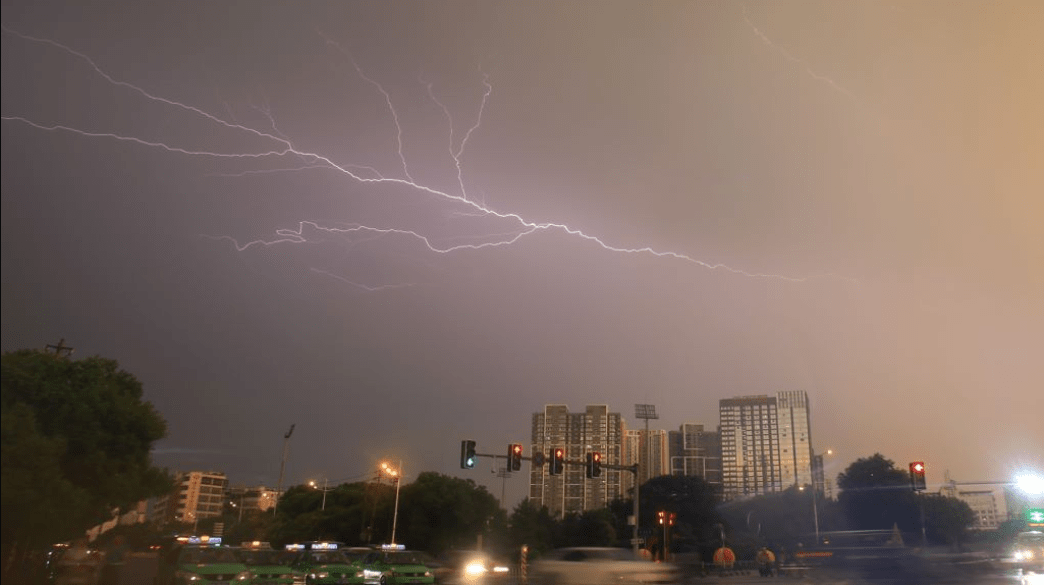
[532,526]
[76,442]
[439,512]
[877,495]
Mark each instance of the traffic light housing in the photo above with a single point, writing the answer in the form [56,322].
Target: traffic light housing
[917,481]
[594,464]
[467,454]
[514,457]
[557,463]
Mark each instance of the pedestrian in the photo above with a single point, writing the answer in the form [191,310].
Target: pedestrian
[115,558]
[766,562]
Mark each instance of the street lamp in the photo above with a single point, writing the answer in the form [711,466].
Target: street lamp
[1030,483]
[397,474]
[324,489]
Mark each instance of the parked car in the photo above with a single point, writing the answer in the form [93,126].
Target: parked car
[200,564]
[267,566]
[393,565]
[599,566]
[322,563]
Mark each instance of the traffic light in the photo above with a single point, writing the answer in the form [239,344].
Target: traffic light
[467,454]
[917,481]
[514,457]
[557,463]
[594,464]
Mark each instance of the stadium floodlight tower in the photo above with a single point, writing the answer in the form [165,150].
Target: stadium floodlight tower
[646,412]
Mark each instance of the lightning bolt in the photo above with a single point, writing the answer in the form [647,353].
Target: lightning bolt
[285,147]
[459,151]
[795,60]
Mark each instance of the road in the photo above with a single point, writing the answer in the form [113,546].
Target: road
[934,575]
[141,570]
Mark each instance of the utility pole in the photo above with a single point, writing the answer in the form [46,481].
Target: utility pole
[282,468]
[503,473]
[60,348]
[395,514]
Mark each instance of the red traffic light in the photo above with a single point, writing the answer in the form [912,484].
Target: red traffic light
[514,459]
[917,480]
[557,461]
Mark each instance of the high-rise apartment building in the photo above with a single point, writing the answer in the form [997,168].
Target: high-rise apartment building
[795,440]
[201,494]
[648,452]
[765,443]
[252,499]
[593,430]
[695,451]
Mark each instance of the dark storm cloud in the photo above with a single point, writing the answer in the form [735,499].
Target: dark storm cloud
[883,159]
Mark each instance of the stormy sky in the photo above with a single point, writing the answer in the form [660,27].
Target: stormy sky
[397,225]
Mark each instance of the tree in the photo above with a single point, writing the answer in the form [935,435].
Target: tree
[76,439]
[694,502]
[532,526]
[591,528]
[439,512]
[947,519]
[876,495]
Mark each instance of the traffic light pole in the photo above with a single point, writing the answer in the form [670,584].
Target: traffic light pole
[539,459]
[637,486]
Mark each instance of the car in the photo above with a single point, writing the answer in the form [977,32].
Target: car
[73,565]
[327,563]
[267,566]
[1028,550]
[599,566]
[470,567]
[201,564]
[394,565]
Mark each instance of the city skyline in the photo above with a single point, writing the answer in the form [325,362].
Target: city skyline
[398,225]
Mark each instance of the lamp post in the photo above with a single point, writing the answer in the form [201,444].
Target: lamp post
[815,511]
[646,412]
[397,474]
[324,489]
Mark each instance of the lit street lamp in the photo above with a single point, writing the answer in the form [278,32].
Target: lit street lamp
[324,489]
[397,474]
[1029,483]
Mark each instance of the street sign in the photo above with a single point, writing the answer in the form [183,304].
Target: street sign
[1035,517]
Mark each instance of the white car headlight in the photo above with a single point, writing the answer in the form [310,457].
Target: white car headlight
[474,569]
[244,576]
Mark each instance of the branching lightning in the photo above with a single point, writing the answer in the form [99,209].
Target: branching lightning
[279,146]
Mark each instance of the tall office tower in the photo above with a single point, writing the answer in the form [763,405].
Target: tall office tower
[694,451]
[765,443]
[593,430]
[795,438]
